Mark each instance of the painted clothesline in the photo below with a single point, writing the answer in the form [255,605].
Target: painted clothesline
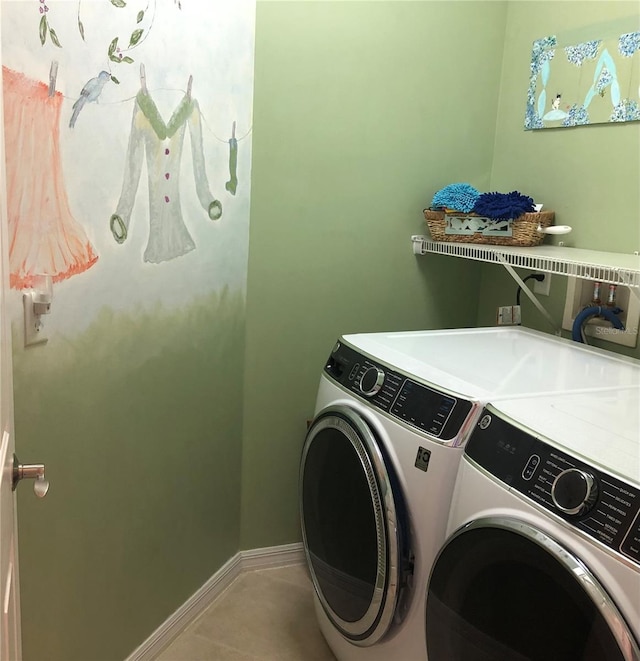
[93,89]
[180,91]
[53,73]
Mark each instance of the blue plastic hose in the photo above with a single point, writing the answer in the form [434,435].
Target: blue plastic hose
[610,314]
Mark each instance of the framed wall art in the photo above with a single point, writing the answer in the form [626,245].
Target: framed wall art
[592,82]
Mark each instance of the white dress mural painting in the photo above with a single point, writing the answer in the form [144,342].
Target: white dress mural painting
[130,79]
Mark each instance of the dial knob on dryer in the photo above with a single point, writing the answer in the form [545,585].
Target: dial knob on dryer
[574,491]
[371,381]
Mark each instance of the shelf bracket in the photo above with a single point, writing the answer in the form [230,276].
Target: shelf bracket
[528,292]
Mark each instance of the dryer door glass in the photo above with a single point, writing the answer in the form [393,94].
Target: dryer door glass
[346,504]
[503,591]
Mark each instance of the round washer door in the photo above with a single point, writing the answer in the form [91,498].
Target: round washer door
[354,544]
[502,590]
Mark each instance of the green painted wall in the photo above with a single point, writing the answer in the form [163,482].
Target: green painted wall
[362,110]
[589,175]
[138,423]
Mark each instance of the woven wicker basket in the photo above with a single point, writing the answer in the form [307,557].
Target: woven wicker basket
[524,230]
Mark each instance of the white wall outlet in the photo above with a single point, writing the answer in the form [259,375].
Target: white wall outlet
[34,332]
[543,287]
[580,295]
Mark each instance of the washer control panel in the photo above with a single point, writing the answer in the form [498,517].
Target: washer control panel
[423,407]
[600,505]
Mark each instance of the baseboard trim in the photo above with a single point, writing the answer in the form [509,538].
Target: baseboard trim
[272,556]
[251,560]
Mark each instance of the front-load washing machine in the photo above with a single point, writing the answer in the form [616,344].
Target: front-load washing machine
[543,556]
[379,462]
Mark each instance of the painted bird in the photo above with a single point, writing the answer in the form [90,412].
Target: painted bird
[90,92]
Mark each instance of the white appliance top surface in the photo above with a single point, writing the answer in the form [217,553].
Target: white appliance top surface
[602,428]
[493,363]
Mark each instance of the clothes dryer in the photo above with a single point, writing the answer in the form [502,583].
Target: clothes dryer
[380,459]
[543,555]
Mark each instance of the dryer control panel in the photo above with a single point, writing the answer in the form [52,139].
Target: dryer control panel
[600,505]
[420,405]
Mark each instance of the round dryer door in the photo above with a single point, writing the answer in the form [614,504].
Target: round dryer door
[350,509]
[502,590]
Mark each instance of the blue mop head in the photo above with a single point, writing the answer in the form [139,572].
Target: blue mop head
[503,205]
[461,197]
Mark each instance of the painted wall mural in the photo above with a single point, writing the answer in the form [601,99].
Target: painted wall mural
[162,143]
[593,82]
[44,237]
[95,93]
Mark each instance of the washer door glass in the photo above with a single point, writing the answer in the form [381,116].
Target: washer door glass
[503,591]
[349,525]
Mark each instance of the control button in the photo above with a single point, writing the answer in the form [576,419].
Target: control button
[574,491]
[354,371]
[334,367]
[371,381]
[485,421]
[530,468]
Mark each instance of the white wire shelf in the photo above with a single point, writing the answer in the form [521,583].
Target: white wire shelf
[612,268]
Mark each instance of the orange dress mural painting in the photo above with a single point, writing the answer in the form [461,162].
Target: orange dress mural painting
[43,235]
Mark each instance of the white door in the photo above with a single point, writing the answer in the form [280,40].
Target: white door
[10,639]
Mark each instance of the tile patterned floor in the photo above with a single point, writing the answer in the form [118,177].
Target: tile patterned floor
[265,615]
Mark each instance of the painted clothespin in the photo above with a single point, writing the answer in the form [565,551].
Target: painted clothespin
[143,79]
[53,75]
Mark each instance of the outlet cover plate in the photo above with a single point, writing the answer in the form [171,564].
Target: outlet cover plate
[543,287]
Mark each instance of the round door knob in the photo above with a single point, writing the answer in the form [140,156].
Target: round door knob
[574,491]
[371,381]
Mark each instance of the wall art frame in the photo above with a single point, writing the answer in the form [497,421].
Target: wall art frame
[591,82]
